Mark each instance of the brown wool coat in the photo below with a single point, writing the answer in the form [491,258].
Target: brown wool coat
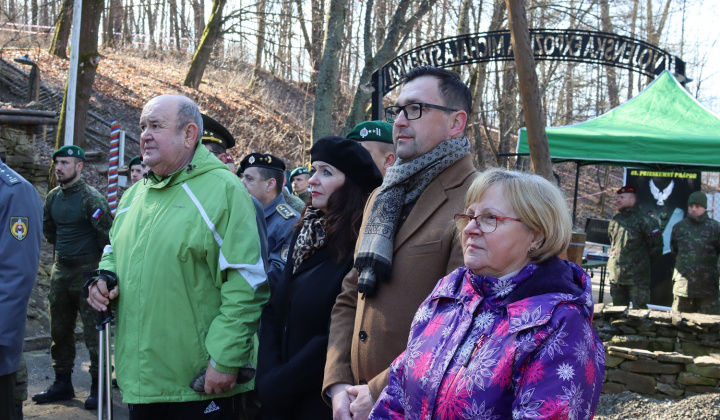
[366,335]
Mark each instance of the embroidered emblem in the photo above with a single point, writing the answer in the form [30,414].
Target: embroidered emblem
[285,211]
[284,252]
[98,214]
[70,152]
[251,160]
[19,227]
[363,132]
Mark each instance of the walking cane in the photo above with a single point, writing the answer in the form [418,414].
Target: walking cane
[105,369]
[103,326]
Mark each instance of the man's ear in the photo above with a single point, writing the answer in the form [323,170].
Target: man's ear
[271,184]
[191,132]
[459,122]
[389,160]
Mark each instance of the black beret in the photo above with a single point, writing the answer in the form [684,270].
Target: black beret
[349,157]
[214,132]
[262,160]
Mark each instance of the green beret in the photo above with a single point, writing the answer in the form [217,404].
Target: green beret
[69,151]
[262,160]
[137,160]
[215,132]
[698,198]
[299,171]
[372,131]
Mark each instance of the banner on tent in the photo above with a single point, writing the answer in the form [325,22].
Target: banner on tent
[663,195]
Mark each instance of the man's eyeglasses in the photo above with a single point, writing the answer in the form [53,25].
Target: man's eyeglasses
[487,223]
[412,111]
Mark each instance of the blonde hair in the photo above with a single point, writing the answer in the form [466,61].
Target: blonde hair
[537,202]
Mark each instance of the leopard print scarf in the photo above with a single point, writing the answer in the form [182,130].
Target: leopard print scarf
[311,237]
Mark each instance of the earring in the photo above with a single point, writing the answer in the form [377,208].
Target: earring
[533,248]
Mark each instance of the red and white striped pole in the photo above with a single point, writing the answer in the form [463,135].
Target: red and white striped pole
[113,167]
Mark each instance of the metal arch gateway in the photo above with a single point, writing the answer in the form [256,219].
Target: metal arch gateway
[547,44]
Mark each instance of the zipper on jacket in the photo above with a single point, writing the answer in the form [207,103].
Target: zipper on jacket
[465,364]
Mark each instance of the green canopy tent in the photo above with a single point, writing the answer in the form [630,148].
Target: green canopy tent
[662,128]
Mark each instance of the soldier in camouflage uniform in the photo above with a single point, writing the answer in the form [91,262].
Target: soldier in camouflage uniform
[77,220]
[636,243]
[695,241]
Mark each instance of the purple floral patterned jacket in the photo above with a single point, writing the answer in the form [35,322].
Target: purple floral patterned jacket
[521,347]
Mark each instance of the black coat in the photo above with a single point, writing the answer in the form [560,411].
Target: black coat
[294,337]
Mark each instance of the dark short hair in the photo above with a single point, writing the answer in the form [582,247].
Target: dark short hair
[453,91]
[267,173]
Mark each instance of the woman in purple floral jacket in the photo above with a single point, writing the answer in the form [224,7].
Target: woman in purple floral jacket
[510,334]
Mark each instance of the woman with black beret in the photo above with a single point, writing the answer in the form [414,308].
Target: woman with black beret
[295,325]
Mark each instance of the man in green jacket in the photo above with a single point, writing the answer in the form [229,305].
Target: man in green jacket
[191,283]
[695,241]
[636,243]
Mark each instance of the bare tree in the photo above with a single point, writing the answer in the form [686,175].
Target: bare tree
[400,26]
[59,43]
[532,106]
[213,30]
[87,61]
[260,43]
[329,68]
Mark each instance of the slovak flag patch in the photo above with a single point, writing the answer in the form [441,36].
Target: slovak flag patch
[655,232]
[98,214]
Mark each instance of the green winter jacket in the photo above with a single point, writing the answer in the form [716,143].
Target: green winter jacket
[192,285]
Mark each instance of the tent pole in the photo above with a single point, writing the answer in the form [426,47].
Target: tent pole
[577,179]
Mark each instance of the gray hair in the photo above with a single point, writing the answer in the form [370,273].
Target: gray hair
[188,112]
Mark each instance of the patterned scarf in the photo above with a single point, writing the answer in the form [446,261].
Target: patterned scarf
[311,237]
[403,184]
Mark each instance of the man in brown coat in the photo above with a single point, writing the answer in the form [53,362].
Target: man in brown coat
[407,240]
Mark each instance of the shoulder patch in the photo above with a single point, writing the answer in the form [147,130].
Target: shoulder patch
[8,175]
[285,211]
[284,252]
[98,213]
[19,227]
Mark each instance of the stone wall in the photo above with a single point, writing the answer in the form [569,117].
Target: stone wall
[667,354]
[16,142]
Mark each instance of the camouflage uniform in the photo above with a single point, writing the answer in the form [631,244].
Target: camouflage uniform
[636,242]
[77,220]
[294,201]
[20,390]
[696,244]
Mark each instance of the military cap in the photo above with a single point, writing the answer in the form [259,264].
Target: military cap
[372,131]
[137,160]
[627,189]
[349,157]
[301,170]
[698,198]
[262,160]
[214,132]
[69,151]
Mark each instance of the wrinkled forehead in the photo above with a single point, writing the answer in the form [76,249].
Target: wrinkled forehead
[159,109]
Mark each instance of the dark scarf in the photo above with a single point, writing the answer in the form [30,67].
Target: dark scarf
[403,184]
[311,236]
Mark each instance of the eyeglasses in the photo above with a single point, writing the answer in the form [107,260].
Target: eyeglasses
[412,111]
[487,223]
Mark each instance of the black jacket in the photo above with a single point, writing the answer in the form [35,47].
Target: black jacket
[293,337]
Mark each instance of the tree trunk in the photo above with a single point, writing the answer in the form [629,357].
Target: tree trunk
[128,19]
[611,76]
[199,14]
[318,37]
[529,91]
[88,59]
[398,29]
[58,46]
[508,110]
[260,43]
[322,122]
[213,30]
